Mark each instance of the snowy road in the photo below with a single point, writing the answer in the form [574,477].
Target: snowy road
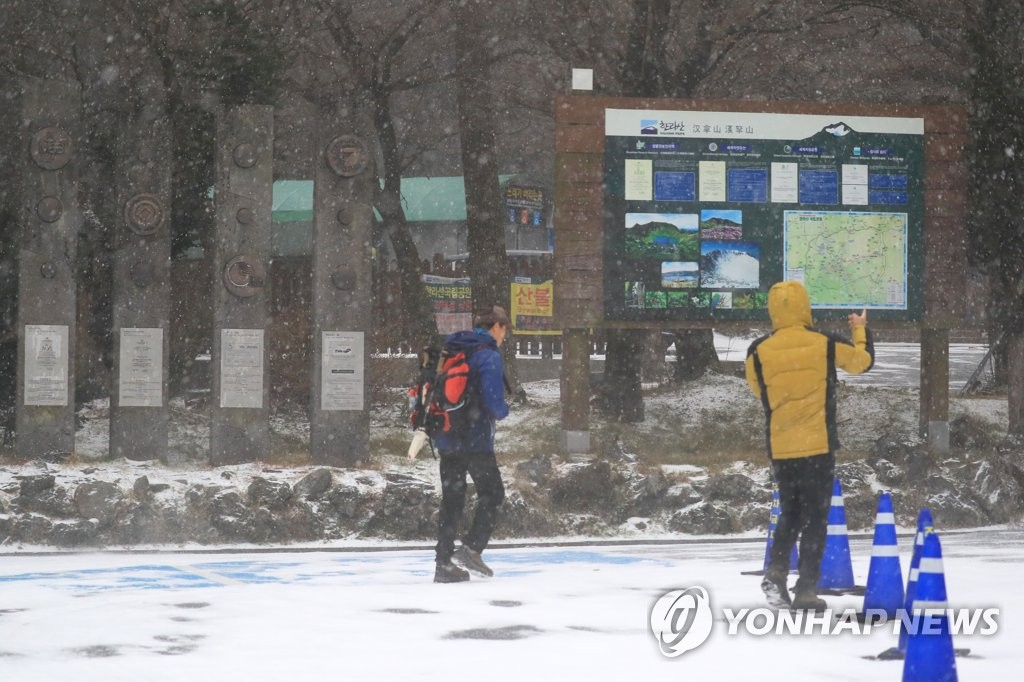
[553,613]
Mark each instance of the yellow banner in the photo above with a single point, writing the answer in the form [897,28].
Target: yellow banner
[533,306]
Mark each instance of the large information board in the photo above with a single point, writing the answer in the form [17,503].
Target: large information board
[705,211]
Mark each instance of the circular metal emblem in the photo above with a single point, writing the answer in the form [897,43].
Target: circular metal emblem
[244,155]
[49,209]
[48,270]
[245,216]
[244,275]
[141,274]
[347,155]
[52,148]
[144,214]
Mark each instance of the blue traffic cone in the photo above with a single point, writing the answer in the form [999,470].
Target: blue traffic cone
[930,655]
[836,565]
[925,526]
[773,523]
[885,578]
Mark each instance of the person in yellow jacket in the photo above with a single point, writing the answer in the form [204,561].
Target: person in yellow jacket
[793,372]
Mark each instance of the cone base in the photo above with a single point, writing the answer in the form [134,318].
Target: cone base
[856,590]
[895,654]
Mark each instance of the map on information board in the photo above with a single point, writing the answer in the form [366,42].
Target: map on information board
[848,259]
[704,211]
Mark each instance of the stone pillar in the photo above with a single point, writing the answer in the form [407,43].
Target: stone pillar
[575,391]
[1015,382]
[50,221]
[141,286]
[342,221]
[239,426]
[935,389]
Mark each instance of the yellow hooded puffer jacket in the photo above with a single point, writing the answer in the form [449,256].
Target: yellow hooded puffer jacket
[793,372]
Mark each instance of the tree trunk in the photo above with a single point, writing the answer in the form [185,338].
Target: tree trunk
[620,396]
[488,264]
[419,325]
[695,353]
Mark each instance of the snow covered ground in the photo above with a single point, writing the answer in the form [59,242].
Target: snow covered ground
[565,613]
[369,611]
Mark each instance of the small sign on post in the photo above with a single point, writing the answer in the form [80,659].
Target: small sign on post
[341,371]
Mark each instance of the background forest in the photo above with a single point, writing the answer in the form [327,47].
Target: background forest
[464,87]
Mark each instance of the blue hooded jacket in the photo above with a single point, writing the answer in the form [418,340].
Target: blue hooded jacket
[487,392]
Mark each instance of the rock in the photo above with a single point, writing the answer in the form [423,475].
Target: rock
[265,527]
[150,522]
[77,533]
[966,433]
[407,510]
[703,518]
[522,516]
[681,495]
[300,522]
[31,529]
[273,494]
[140,490]
[753,516]
[855,476]
[537,469]
[32,485]
[230,517]
[952,510]
[998,487]
[98,500]
[732,488]
[344,500]
[646,493]
[54,502]
[888,473]
[314,484]
[584,488]
[861,508]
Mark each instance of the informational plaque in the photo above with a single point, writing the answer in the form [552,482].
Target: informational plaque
[46,364]
[341,383]
[241,368]
[140,368]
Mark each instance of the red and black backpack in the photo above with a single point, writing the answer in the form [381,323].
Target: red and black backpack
[441,399]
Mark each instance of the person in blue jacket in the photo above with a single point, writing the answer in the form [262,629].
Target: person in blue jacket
[473,452]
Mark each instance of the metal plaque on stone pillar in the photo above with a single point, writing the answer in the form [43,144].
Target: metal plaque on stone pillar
[340,420]
[50,221]
[141,283]
[239,427]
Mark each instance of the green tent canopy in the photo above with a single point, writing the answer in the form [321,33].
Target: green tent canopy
[425,200]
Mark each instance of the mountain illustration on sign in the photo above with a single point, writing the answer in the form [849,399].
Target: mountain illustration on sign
[838,129]
[721,228]
[729,268]
[662,240]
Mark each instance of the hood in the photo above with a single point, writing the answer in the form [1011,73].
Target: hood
[465,340]
[789,305]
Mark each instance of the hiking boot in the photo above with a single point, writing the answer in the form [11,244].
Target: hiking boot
[775,589]
[470,559]
[447,572]
[808,600]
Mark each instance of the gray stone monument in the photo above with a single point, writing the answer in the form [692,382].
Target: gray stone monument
[342,220]
[239,427]
[50,221]
[141,286]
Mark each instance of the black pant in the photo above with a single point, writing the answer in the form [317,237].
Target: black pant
[805,495]
[490,492]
